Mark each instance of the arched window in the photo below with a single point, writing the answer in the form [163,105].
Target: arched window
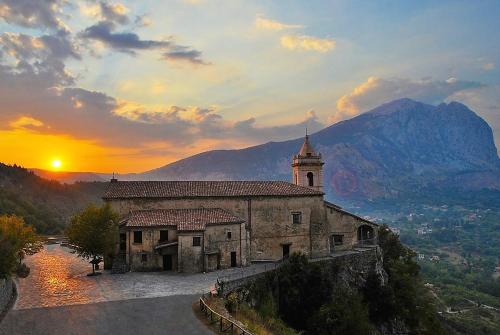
[310,178]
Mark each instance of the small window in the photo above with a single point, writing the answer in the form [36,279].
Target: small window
[144,258]
[338,239]
[297,218]
[229,235]
[310,179]
[163,235]
[196,241]
[138,236]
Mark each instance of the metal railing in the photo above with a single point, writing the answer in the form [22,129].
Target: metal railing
[224,324]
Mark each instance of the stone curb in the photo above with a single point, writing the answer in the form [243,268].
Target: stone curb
[11,302]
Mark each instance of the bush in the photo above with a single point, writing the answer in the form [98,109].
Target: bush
[232,302]
[22,270]
[16,240]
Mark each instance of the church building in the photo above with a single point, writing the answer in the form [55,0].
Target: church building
[198,226]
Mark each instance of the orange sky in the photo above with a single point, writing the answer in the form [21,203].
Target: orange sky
[35,150]
[30,149]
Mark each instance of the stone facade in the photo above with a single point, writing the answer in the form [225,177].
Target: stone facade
[275,220]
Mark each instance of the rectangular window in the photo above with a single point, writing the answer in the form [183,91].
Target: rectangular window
[196,241]
[229,235]
[297,217]
[163,235]
[338,239]
[144,258]
[138,236]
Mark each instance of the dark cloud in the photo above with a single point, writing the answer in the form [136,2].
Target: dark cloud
[43,56]
[33,13]
[125,42]
[184,54]
[104,31]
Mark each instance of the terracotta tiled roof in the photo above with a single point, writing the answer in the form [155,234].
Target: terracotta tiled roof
[307,149]
[183,219]
[193,189]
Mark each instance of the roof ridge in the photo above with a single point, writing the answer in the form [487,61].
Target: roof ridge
[204,188]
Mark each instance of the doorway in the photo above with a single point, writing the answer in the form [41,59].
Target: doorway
[123,242]
[233,259]
[286,251]
[167,262]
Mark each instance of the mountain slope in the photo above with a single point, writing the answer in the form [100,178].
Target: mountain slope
[399,146]
[46,205]
[69,177]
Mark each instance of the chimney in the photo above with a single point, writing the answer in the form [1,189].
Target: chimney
[113,179]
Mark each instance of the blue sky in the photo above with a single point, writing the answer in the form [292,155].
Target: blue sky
[139,84]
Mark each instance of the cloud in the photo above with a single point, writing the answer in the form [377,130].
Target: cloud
[125,42]
[249,129]
[104,11]
[143,21]
[43,56]
[33,13]
[375,91]
[31,98]
[103,32]
[114,12]
[184,54]
[268,24]
[25,122]
[307,43]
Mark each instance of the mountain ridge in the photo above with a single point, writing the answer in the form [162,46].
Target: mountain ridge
[364,153]
[399,146]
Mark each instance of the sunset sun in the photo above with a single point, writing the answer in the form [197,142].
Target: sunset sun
[56,164]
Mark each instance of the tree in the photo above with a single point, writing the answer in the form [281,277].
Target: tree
[93,233]
[16,241]
[344,314]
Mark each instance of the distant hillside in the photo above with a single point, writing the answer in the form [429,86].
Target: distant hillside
[47,205]
[69,177]
[398,148]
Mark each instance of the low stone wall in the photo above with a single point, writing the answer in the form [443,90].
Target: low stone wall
[231,285]
[6,291]
[349,267]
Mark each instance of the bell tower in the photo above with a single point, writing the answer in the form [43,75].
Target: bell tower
[307,167]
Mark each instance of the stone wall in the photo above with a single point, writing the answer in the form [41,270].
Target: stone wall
[6,291]
[349,269]
[268,220]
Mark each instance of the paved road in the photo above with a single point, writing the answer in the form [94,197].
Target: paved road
[58,298]
[168,315]
[58,278]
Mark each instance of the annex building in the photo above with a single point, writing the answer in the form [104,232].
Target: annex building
[196,226]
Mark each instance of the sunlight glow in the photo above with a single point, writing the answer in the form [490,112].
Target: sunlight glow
[56,164]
